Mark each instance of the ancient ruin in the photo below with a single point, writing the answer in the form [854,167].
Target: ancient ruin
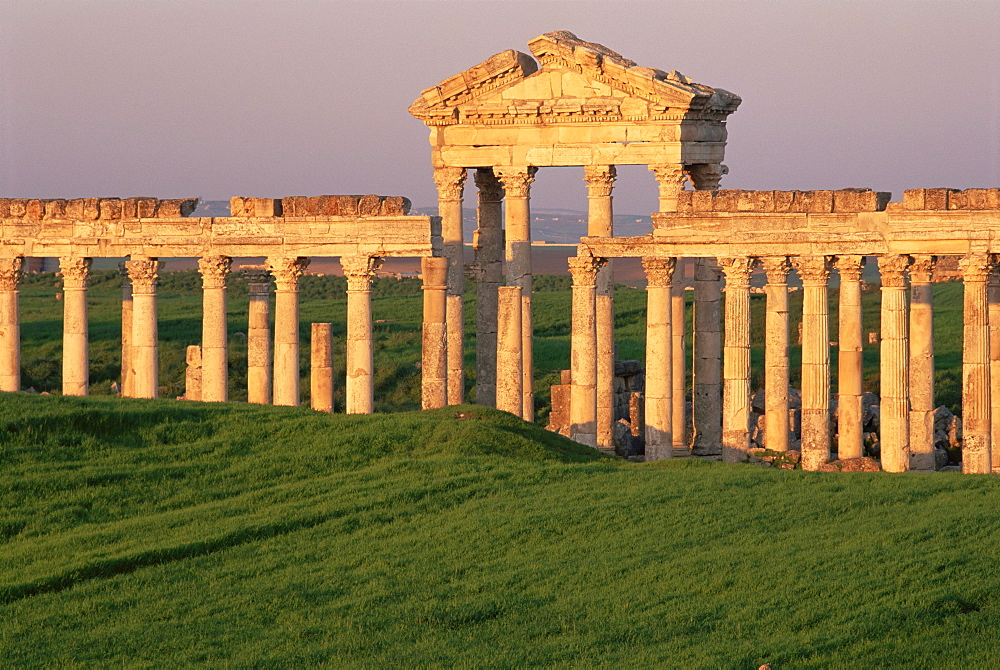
[570,103]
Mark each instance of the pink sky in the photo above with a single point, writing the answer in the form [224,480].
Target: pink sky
[215,98]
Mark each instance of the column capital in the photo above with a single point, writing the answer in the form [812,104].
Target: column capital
[516,180]
[850,267]
[737,269]
[258,279]
[75,272]
[922,269]
[214,270]
[706,176]
[672,175]
[584,269]
[10,272]
[450,182]
[143,273]
[287,271]
[490,188]
[359,271]
[892,268]
[814,270]
[776,268]
[976,266]
[600,180]
[659,271]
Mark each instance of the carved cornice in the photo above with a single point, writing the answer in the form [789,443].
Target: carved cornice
[490,188]
[814,270]
[737,270]
[600,180]
[287,271]
[776,268]
[584,269]
[75,272]
[706,176]
[450,182]
[850,267]
[659,271]
[214,270]
[143,274]
[10,272]
[360,270]
[892,268]
[516,180]
[976,267]
[922,269]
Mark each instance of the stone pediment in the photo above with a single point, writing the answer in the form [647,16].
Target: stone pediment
[576,81]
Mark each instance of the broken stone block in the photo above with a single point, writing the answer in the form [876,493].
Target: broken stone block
[369,205]
[34,210]
[395,205]
[111,208]
[936,198]
[913,199]
[178,207]
[18,208]
[348,205]
[91,209]
[146,207]
[55,209]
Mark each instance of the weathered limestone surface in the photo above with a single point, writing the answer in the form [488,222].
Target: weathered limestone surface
[193,373]
[815,271]
[895,358]
[360,271]
[659,358]
[126,360]
[10,324]
[584,362]
[509,356]
[321,359]
[707,373]
[921,343]
[214,338]
[488,243]
[600,182]
[258,334]
[450,185]
[286,273]
[76,361]
[850,440]
[736,359]
[976,448]
[143,273]
[776,367]
[95,209]
[434,362]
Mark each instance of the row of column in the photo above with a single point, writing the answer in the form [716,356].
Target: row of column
[272,375]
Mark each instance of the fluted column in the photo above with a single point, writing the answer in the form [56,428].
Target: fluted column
[517,188]
[659,358]
[434,359]
[894,416]
[10,324]
[450,184]
[600,223]
[145,352]
[850,371]
[258,335]
[360,272]
[776,367]
[489,248]
[321,367]
[126,360]
[509,358]
[214,335]
[584,366]
[286,273]
[815,273]
[76,361]
[922,364]
[707,401]
[993,296]
[736,360]
[976,422]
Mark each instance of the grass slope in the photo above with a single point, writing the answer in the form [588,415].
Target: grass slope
[139,533]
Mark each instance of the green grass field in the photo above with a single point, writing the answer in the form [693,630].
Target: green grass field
[161,534]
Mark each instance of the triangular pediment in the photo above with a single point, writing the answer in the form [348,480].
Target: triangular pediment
[576,81]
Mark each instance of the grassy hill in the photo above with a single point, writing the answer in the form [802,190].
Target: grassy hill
[140,533]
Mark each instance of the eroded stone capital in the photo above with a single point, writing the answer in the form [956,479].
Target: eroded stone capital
[737,269]
[584,269]
[814,269]
[287,271]
[258,279]
[75,272]
[10,272]
[659,271]
[922,269]
[600,180]
[706,176]
[516,180]
[214,270]
[450,182]
[892,268]
[776,268]
[360,270]
[143,273]
[850,267]
[490,188]
[976,267]
[123,271]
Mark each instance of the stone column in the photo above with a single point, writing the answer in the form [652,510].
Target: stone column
[10,324]
[776,365]
[815,272]
[214,335]
[584,362]
[850,442]
[600,223]
[126,387]
[659,358]
[434,362]
[736,360]
[706,176]
[360,271]
[489,249]
[922,364]
[143,272]
[517,188]
[707,401]
[510,397]
[976,422]
[993,297]
[670,181]
[894,416]
[258,335]
[286,272]
[76,361]
[450,184]
[321,360]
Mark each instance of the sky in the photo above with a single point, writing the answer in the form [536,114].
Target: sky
[216,98]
